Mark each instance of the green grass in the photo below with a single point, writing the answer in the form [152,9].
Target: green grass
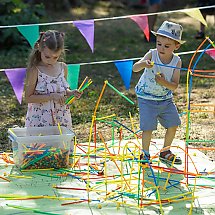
[114,40]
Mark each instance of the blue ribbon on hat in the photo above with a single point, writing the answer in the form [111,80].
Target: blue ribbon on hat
[168,34]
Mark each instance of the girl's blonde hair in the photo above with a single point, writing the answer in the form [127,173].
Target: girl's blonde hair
[52,39]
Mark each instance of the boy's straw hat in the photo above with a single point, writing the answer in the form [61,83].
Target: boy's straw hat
[171,30]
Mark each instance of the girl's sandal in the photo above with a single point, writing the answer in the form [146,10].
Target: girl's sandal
[168,157]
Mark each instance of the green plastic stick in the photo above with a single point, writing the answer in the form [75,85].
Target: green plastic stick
[30,209]
[138,186]
[81,90]
[121,94]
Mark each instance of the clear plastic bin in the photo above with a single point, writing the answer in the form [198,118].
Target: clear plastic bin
[41,147]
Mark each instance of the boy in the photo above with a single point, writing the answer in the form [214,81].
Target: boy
[154,89]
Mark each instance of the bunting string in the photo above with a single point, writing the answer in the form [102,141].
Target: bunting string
[86,28]
[109,18]
[135,58]
[124,67]
[125,59]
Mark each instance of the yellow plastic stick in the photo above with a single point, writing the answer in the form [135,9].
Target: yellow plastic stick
[58,124]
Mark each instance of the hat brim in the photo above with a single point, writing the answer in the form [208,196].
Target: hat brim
[179,41]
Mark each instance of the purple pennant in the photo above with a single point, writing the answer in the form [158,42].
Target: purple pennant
[86,27]
[16,78]
[125,70]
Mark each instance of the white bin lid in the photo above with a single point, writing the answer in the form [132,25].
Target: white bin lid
[40,134]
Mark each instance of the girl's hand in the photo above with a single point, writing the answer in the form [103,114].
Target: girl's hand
[77,93]
[58,97]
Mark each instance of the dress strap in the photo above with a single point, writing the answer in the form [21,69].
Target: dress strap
[39,72]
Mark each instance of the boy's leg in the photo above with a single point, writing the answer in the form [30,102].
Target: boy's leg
[169,136]
[167,156]
[169,119]
[148,123]
[146,139]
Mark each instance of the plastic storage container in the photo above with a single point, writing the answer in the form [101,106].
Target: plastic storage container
[41,147]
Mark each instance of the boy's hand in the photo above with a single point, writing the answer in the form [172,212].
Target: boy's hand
[149,64]
[160,78]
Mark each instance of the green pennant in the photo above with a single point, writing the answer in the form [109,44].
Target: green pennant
[73,75]
[30,32]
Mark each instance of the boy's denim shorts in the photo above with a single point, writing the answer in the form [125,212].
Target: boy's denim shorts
[151,112]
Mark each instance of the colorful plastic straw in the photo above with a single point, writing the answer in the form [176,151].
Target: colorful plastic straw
[86,83]
[30,209]
[121,94]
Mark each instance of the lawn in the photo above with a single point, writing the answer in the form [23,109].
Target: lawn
[114,40]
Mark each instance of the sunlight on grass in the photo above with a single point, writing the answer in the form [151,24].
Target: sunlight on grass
[114,40]
[79,11]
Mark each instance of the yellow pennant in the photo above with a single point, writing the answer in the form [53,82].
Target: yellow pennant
[196,14]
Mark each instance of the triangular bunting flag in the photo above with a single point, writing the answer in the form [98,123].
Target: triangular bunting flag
[30,32]
[73,75]
[211,53]
[196,14]
[125,70]
[86,27]
[17,78]
[142,22]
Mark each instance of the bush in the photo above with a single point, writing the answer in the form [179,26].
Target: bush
[14,12]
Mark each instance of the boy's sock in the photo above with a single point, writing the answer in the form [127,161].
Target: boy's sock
[146,152]
[145,156]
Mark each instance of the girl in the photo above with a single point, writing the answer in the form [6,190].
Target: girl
[46,85]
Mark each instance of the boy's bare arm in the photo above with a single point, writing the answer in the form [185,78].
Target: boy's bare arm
[145,62]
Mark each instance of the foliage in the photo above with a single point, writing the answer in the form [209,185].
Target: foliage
[14,12]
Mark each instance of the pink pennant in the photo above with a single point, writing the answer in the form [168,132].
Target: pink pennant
[16,78]
[142,22]
[211,52]
[86,27]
